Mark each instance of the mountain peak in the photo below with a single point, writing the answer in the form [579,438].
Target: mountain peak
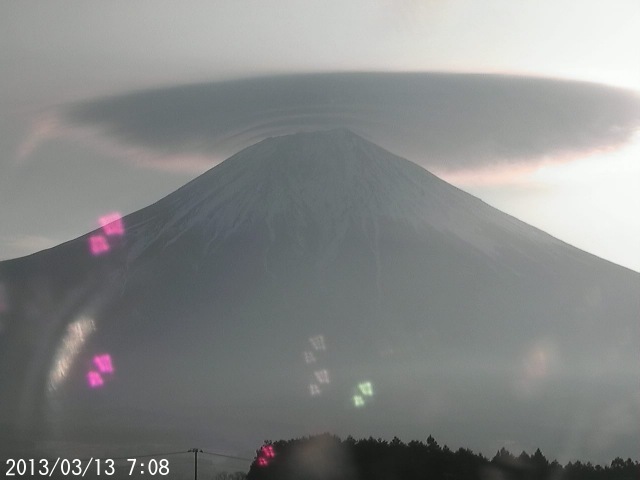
[330,134]
[221,289]
[319,145]
[334,179]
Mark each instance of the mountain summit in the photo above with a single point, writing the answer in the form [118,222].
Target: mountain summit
[316,282]
[333,180]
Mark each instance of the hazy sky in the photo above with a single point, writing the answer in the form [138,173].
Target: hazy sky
[570,168]
[533,106]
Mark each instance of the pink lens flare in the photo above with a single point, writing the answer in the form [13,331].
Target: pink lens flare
[112,224]
[103,362]
[268,452]
[98,245]
[94,379]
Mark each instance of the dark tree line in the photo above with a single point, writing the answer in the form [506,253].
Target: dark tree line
[327,457]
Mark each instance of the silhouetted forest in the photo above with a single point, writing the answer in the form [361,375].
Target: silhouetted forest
[327,457]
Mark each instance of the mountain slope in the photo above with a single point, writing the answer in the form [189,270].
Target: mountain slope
[469,323]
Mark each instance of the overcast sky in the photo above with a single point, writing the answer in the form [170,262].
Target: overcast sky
[559,155]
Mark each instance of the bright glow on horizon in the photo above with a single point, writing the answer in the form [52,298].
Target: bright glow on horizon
[604,187]
[601,189]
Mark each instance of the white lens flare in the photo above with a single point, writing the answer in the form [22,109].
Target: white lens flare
[322,376]
[318,343]
[362,394]
[366,389]
[68,350]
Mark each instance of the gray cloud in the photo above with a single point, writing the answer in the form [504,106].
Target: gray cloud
[444,121]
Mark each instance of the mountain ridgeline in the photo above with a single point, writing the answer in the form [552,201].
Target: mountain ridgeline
[255,301]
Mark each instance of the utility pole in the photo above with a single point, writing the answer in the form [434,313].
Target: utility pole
[195,452]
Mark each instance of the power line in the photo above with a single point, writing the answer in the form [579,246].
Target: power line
[229,456]
[150,455]
[134,456]
[163,454]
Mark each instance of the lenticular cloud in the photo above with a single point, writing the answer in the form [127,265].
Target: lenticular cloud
[442,121]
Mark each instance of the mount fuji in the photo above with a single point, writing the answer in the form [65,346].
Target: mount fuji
[316,282]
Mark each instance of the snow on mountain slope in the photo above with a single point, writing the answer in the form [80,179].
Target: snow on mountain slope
[471,324]
[333,179]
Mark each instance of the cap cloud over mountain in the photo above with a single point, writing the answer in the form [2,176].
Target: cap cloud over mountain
[443,121]
[468,323]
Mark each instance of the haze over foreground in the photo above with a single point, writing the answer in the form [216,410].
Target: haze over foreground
[316,282]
